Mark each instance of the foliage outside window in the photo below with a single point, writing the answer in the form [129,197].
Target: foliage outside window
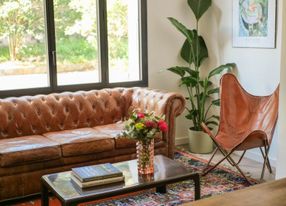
[77,42]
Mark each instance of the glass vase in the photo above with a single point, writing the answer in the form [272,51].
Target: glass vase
[145,157]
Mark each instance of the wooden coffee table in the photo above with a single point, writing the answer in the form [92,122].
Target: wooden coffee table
[267,194]
[167,171]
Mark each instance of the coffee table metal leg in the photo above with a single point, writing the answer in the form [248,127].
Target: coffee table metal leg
[44,195]
[69,204]
[161,189]
[197,187]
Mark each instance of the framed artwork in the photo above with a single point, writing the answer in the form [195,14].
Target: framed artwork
[254,23]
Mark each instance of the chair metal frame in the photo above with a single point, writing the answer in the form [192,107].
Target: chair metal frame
[227,156]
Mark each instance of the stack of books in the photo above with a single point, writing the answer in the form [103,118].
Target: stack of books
[96,175]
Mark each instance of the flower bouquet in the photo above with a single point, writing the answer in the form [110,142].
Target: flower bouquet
[143,127]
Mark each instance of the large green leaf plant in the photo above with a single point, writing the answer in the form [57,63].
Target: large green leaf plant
[201,90]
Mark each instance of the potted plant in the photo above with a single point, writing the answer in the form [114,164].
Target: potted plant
[143,127]
[202,94]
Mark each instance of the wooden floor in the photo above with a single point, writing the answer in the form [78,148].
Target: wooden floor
[271,193]
[250,167]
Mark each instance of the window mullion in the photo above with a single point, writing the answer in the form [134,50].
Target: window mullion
[51,44]
[143,41]
[103,40]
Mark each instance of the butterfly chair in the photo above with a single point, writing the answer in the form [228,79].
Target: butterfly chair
[246,122]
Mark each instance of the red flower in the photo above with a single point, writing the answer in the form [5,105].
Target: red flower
[150,124]
[140,115]
[163,126]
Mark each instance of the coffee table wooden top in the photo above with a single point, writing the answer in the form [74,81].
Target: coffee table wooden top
[166,171]
[266,194]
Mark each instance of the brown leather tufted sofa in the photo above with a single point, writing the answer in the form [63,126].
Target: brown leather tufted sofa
[51,133]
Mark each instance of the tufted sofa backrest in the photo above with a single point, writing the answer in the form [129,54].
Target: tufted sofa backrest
[145,99]
[31,115]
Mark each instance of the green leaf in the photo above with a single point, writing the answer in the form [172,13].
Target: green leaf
[200,96]
[186,53]
[216,102]
[192,114]
[199,7]
[206,83]
[193,73]
[195,52]
[183,70]
[213,91]
[211,123]
[189,81]
[184,30]
[221,68]
[177,70]
[213,117]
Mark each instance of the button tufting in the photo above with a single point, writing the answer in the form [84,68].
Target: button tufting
[75,123]
[48,127]
[19,131]
[33,128]
[4,133]
[23,115]
[61,126]
[80,107]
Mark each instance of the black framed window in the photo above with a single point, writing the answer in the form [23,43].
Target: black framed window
[68,45]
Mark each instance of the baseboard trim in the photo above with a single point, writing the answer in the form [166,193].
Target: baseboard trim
[181,140]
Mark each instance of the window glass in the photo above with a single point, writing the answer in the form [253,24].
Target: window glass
[76,41]
[23,61]
[123,40]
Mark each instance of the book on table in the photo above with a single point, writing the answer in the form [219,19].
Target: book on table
[99,182]
[96,175]
[96,172]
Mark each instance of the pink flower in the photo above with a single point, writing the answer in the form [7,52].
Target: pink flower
[150,124]
[163,126]
[140,115]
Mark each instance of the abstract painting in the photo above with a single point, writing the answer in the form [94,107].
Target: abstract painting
[254,23]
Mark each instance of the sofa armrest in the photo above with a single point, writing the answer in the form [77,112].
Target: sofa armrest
[169,104]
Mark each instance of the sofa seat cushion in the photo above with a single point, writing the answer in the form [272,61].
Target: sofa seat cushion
[27,150]
[81,141]
[115,131]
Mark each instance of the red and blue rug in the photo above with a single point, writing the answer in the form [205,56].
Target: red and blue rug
[219,181]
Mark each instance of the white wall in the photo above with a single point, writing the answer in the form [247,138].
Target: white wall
[258,69]
[281,161]
[164,44]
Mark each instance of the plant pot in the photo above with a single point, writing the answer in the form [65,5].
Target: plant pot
[200,142]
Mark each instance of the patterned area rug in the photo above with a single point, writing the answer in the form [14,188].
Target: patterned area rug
[219,181]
